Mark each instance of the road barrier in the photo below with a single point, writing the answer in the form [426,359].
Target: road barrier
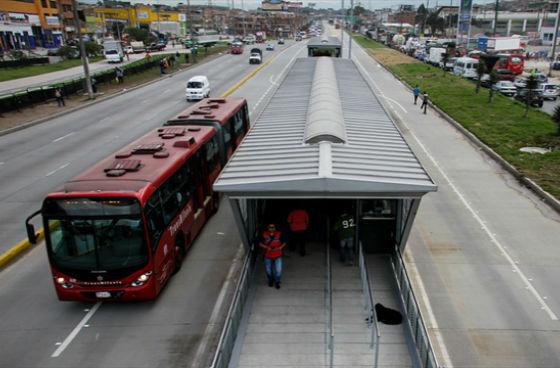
[30,96]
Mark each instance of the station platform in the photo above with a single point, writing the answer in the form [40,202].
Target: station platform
[289,327]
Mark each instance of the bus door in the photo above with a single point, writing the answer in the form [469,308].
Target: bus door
[227,131]
[239,125]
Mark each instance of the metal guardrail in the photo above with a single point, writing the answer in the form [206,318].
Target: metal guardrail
[234,315]
[369,305]
[419,331]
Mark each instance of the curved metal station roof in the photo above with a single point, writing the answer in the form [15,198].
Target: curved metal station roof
[324,41]
[370,158]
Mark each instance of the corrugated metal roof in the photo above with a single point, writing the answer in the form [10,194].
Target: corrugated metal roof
[274,160]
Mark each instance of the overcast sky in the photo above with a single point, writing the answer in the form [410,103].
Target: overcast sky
[335,4]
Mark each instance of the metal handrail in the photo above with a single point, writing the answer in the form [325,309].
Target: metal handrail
[422,339]
[330,329]
[369,304]
[234,315]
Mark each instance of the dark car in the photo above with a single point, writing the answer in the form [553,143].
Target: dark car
[156,47]
[505,75]
[537,99]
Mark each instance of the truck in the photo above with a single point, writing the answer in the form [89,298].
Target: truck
[201,41]
[113,51]
[256,56]
[436,55]
[137,46]
[260,37]
[502,44]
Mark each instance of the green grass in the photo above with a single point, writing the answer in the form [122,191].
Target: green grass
[31,70]
[367,42]
[500,124]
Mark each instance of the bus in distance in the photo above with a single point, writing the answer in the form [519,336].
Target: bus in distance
[119,230]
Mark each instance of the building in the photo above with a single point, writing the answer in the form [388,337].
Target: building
[26,24]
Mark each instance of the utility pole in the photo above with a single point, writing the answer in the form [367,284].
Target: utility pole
[82,50]
[554,39]
[496,17]
[342,28]
[351,29]
[189,18]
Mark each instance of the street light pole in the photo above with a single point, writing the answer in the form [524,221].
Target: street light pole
[554,39]
[351,29]
[82,50]
[496,17]
[342,27]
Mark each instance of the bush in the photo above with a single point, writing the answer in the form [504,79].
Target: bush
[92,48]
[69,52]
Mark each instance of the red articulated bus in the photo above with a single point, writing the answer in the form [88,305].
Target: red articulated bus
[229,115]
[119,230]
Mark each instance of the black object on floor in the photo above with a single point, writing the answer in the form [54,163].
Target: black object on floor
[387,315]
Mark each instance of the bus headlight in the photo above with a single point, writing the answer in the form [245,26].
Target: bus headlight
[142,279]
[62,282]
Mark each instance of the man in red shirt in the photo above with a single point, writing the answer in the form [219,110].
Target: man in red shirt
[298,220]
[272,243]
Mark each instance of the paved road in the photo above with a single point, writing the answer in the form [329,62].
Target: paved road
[484,251]
[71,73]
[163,333]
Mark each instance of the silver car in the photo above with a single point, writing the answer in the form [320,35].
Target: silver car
[549,91]
[505,87]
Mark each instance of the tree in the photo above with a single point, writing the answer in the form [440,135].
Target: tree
[530,87]
[92,48]
[420,18]
[117,29]
[435,22]
[359,10]
[480,70]
[139,34]
[493,80]
[556,118]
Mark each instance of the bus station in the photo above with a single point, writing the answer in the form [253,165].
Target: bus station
[324,46]
[335,151]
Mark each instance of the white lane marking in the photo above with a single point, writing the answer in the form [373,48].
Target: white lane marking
[58,169]
[411,266]
[64,136]
[214,317]
[75,331]
[167,90]
[483,225]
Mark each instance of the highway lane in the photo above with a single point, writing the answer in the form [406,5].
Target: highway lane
[483,252]
[162,333]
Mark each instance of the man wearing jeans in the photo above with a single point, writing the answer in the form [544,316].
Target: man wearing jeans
[345,228]
[272,243]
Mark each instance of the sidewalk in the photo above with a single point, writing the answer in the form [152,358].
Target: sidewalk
[72,73]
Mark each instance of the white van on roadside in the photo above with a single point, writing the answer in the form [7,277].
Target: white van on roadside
[198,87]
[465,67]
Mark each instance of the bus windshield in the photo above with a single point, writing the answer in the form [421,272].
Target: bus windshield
[101,238]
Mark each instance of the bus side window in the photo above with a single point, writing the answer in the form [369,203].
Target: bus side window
[245,118]
[238,124]
[227,135]
[212,153]
[154,217]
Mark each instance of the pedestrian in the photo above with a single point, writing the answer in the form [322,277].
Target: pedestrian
[178,57]
[59,97]
[345,227]
[148,56]
[298,220]
[424,102]
[120,74]
[162,66]
[127,56]
[93,85]
[272,243]
[416,92]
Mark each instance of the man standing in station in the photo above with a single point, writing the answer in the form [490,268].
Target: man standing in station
[345,227]
[272,243]
[298,220]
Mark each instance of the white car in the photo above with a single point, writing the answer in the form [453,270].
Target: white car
[505,87]
[198,87]
[549,91]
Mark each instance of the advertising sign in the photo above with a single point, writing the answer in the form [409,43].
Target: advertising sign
[464,23]
[141,14]
[52,21]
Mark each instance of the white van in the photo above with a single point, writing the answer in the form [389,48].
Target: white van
[198,87]
[465,67]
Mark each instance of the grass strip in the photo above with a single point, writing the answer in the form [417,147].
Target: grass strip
[32,70]
[500,124]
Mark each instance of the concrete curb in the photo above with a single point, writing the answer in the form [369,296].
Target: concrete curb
[98,100]
[527,182]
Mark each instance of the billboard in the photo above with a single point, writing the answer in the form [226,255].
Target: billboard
[464,22]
